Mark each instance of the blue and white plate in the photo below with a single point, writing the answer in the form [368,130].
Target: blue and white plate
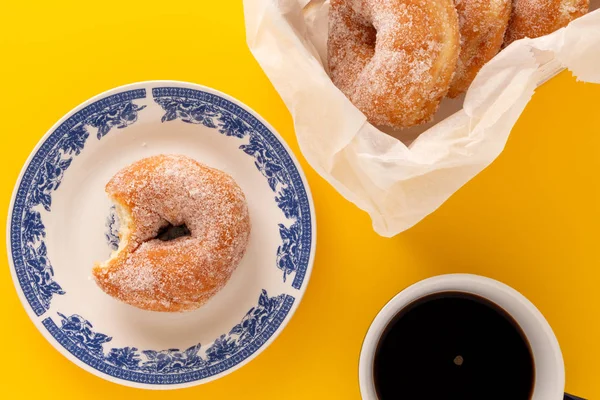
[61,223]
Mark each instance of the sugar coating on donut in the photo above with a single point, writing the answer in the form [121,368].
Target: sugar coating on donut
[183,273]
[482,25]
[393,59]
[535,18]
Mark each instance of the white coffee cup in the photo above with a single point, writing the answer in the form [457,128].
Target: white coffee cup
[548,361]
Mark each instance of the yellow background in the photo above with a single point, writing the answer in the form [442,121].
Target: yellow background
[531,220]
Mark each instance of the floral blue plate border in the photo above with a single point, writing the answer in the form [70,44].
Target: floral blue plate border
[34,276]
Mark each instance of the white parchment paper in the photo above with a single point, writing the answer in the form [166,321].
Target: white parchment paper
[401,177]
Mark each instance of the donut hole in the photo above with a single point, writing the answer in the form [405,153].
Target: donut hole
[370,35]
[172,232]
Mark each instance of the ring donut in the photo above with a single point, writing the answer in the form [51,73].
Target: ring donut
[394,59]
[482,25]
[535,18]
[183,273]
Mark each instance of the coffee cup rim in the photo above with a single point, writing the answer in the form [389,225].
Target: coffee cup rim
[467,283]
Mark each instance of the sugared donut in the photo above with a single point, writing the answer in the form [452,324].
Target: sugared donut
[394,59]
[535,18]
[183,273]
[482,27]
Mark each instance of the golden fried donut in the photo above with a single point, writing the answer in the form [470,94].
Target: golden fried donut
[482,25]
[394,59]
[183,273]
[535,18]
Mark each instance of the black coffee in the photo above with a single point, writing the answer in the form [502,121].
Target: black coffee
[453,346]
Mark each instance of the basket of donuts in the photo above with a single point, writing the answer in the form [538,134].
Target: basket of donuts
[398,103]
